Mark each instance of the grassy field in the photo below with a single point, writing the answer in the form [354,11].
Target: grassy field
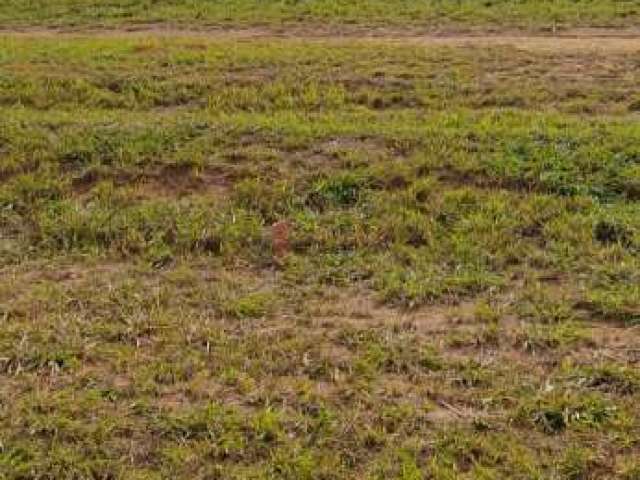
[337,258]
[431,14]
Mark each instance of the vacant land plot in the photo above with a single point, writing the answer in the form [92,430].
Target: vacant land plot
[259,254]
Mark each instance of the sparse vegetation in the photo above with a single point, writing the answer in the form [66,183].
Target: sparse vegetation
[317,258]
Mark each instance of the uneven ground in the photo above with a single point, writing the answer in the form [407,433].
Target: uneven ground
[452,286]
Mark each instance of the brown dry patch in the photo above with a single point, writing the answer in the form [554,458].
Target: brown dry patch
[28,275]
[359,309]
[396,386]
[280,243]
[612,343]
[443,416]
[19,287]
[349,308]
[121,382]
[172,400]
[300,392]
[447,414]
[82,184]
[603,342]
[336,145]
[179,182]
[453,177]
[576,42]
[204,389]
[452,407]
[246,76]
[166,182]
[335,152]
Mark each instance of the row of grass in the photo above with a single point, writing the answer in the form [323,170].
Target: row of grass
[432,14]
[224,76]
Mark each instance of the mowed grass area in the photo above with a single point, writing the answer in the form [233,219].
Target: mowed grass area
[459,296]
[429,14]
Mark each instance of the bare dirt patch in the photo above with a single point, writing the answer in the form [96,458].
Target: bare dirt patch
[166,182]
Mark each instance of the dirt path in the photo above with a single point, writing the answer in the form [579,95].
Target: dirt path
[593,39]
